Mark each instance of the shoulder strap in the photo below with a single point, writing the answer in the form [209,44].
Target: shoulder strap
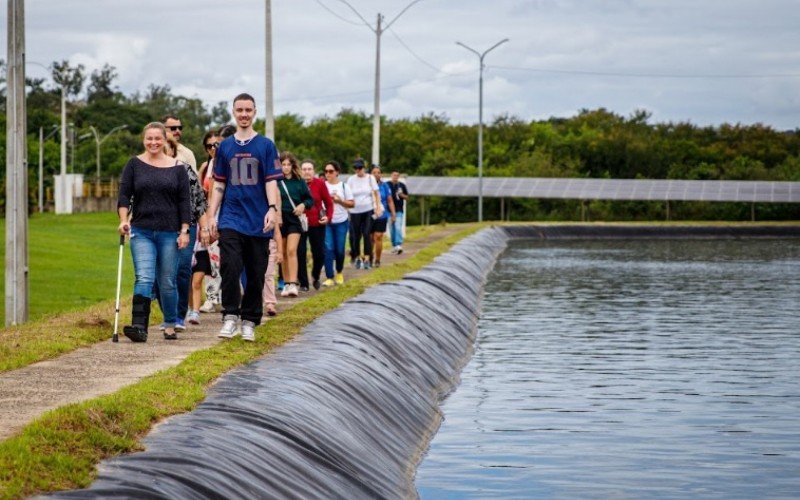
[288,195]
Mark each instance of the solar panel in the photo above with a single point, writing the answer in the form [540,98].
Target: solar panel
[608,189]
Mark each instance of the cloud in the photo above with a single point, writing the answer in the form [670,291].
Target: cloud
[563,55]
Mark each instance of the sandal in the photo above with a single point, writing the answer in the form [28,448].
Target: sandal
[170,336]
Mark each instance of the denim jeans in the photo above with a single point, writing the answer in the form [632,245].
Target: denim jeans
[184,279]
[396,229]
[155,260]
[335,237]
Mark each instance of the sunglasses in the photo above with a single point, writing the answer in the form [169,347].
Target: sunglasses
[173,128]
[329,170]
[214,145]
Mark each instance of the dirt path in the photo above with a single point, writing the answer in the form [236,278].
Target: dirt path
[106,367]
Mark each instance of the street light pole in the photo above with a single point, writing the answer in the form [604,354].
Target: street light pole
[480,120]
[376,113]
[98,141]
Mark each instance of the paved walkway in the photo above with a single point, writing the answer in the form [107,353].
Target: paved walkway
[106,367]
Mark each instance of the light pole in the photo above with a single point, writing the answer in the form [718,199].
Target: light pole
[98,141]
[42,138]
[376,114]
[480,120]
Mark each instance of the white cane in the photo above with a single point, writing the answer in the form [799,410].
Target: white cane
[115,337]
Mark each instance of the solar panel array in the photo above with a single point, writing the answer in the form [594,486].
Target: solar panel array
[608,189]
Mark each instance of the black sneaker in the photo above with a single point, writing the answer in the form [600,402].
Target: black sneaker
[303,288]
[316,284]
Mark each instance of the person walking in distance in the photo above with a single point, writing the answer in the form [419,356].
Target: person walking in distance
[336,230]
[380,221]
[154,191]
[367,204]
[399,196]
[211,141]
[318,216]
[296,200]
[246,195]
[174,128]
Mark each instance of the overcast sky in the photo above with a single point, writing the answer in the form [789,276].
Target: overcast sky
[704,61]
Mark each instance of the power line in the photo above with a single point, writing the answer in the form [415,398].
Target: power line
[393,87]
[647,75]
[348,21]
[410,51]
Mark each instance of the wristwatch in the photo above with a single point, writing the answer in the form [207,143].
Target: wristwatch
[273,207]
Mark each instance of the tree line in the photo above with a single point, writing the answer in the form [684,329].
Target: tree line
[594,143]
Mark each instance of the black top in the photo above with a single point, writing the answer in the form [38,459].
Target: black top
[160,196]
[399,203]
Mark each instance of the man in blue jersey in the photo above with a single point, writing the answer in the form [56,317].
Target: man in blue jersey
[245,191]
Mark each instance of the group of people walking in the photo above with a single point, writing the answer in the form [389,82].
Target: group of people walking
[248,213]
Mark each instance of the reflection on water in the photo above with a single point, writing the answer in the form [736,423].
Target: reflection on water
[629,369]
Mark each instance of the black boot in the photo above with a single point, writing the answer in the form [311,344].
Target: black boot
[140,318]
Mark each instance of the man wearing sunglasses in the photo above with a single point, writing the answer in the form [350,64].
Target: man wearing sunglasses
[175,132]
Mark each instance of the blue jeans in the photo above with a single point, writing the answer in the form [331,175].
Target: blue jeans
[396,229]
[184,279]
[335,237]
[155,260]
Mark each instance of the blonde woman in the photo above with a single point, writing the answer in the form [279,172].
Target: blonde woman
[158,228]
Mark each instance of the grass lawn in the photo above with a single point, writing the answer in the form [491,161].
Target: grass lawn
[73,262]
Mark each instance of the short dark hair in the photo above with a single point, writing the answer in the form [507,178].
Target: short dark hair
[226,131]
[309,160]
[244,96]
[169,116]
[335,165]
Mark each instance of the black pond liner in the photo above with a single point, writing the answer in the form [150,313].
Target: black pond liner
[346,410]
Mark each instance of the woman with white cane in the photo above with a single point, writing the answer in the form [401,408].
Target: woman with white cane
[155,190]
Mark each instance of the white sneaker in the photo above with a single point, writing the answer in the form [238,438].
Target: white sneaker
[248,331]
[229,327]
[207,307]
[286,288]
[193,317]
[293,291]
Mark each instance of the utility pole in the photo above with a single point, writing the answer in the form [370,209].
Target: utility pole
[269,105]
[376,113]
[43,138]
[16,279]
[63,205]
[480,120]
